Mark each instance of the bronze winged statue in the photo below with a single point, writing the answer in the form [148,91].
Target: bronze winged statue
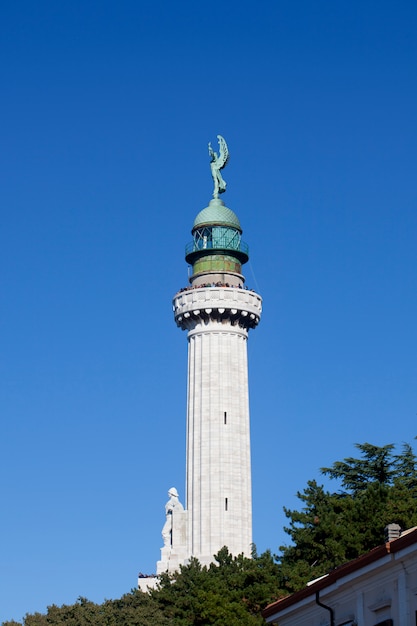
[217,163]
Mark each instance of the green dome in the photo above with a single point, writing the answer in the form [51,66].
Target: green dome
[217,214]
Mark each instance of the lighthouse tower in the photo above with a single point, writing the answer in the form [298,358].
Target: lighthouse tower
[217,311]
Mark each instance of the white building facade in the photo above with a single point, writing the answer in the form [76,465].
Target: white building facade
[376,589]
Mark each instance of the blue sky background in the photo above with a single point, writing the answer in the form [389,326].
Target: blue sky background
[106,111]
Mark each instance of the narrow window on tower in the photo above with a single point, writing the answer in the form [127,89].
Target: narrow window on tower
[225,417]
[225,504]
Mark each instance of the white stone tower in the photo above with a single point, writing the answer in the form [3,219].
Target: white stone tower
[217,311]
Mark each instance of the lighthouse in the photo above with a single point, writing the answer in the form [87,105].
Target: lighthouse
[217,311]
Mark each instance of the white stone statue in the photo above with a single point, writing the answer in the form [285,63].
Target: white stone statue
[172,506]
[217,163]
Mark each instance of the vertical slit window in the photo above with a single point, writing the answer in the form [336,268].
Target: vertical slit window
[225,417]
[225,504]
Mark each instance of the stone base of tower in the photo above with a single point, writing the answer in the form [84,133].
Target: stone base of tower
[170,562]
[147,583]
[173,555]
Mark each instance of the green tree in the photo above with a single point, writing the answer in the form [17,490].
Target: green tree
[405,468]
[376,466]
[132,609]
[232,591]
[332,528]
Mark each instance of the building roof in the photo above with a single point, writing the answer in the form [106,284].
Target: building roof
[407,539]
[217,213]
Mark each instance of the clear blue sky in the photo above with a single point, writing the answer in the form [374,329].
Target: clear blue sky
[106,111]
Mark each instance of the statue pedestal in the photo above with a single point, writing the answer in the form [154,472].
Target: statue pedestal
[169,561]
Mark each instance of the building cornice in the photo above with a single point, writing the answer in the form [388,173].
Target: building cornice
[236,305]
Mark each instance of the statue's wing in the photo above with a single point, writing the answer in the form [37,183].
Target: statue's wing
[224,153]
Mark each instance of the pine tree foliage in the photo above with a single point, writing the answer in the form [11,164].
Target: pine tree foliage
[355,475]
[332,528]
[405,468]
[132,609]
[233,590]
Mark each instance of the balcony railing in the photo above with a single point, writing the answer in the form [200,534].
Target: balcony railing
[220,243]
